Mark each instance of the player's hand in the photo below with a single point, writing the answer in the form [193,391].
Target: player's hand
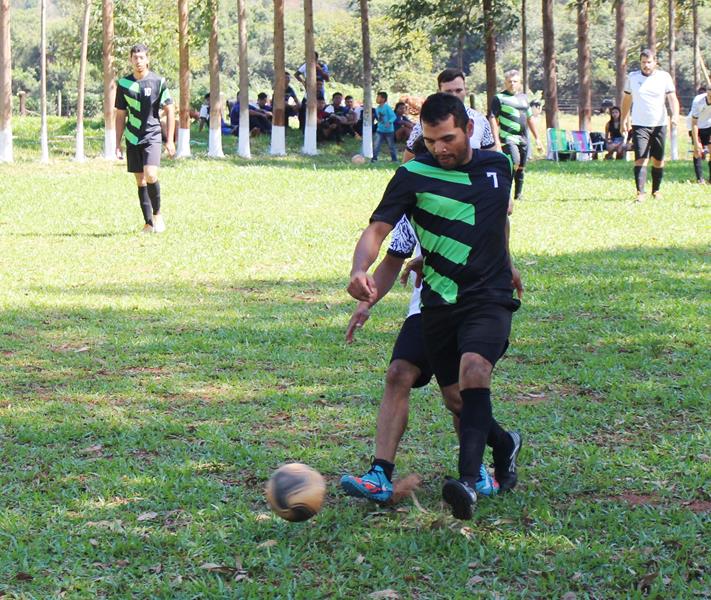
[360,315]
[119,153]
[413,266]
[170,148]
[674,120]
[516,281]
[539,145]
[362,287]
[509,210]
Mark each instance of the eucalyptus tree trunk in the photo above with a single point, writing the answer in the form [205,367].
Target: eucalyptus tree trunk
[367,132]
[5,84]
[490,51]
[524,48]
[243,147]
[311,122]
[107,19]
[44,143]
[652,26]
[672,40]
[460,51]
[278,145]
[550,77]
[584,66]
[620,51]
[79,149]
[696,50]
[183,148]
[214,142]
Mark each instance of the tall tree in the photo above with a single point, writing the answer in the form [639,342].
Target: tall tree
[107,19]
[44,143]
[278,145]
[367,82]
[214,144]
[696,50]
[524,48]
[183,149]
[620,51]
[490,50]
[79,149]
[584,66]
[550,77]
[5,84]
[652,25]
[672,39]
[243,148]
[310,129]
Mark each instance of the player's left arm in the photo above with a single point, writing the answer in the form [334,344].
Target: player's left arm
[673,102]
[362,285]
[166,103]
[534,130]
[515,275]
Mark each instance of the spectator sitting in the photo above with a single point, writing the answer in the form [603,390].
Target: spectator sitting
[292,104]
[344,113]
[615,142]
[263,105]
[328,124]
[258,121]
[204,111]
[403,125]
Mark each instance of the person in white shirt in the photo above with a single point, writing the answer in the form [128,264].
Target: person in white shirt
[701,131]
[643,106]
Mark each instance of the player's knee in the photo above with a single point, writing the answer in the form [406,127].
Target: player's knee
[401,374]
[453,402]
[151,177]
[475,371]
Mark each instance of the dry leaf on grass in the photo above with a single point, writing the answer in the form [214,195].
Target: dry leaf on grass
[476,580]
[404,487]
[147,516]
[390,594]
[646,582]
[22,576]
[267,544]
[359,559]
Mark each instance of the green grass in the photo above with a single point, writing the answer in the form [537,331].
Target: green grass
[172,374]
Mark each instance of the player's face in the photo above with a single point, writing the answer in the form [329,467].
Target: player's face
[448,143]
[512,84]
[139,60]
[455,87]
[647,65]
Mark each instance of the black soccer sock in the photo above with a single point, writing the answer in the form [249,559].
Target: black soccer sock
[145,203]
[518,183]
[657,174]
[475,423]
[697,168]
[500,441]
[710,171]
[640,178]
[154,193]
[388,467]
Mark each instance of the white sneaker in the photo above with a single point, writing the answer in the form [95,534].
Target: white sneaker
[147,228]
[158,223]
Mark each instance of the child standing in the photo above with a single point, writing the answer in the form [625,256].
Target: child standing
[386,126]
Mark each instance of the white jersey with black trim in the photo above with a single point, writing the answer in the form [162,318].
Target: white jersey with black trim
[701,110]
[649,94]
[404,244]
[482,137]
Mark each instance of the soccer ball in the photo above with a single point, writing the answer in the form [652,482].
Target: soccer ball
[295,492]
[358,159]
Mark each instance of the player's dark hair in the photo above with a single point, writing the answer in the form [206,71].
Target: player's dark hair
[647,53]
[449,75]
[439,107]
[261,95]
[383,94]
[136,48]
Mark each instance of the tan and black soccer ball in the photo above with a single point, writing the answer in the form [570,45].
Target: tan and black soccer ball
[295,492]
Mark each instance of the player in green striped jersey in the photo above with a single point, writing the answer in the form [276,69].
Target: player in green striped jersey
[139,99]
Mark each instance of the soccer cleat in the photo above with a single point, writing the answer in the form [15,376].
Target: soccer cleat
[505,472]
[374,485]
[158,223]
[147,228]
[460,497]
[640,197]
[487,485]
[657,195]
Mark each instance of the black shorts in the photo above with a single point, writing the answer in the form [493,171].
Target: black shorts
[141,156]
[479,327]
[705,136]
[649,141]
[410,346]
[517,152]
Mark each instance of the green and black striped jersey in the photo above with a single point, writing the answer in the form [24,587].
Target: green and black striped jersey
[512,112]
[459,216]
[142,100]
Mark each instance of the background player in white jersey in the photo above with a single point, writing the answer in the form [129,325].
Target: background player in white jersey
[646,93]
[701,131]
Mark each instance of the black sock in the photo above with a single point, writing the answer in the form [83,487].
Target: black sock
[388,467]
[500,441]
[145,203]
[710,171]
[518,183]
[475,422]
[697,168]
[640,178]
[154,193]
[657,174]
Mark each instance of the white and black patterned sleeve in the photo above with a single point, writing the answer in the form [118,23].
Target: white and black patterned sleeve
[402,240]
[415,134]
[487,137]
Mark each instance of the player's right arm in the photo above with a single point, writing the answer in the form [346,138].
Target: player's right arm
[362,285]
[626,107]
[698,148]
[119,125]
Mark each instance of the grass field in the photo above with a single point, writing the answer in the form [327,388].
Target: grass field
[149,385]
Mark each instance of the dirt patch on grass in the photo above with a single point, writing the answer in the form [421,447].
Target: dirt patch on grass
[639,499]
[634,499]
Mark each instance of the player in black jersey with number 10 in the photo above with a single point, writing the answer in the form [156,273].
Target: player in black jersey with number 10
[139,99]
[456,199]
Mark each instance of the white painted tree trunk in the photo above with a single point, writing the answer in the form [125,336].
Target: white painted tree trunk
[183,149]
[279,118]
[214,140]
[5,84]
[243,148]
[6,144]
[110,144]
[214,143]
[367,149]
[107,18]
[311,120]
[44,144]
[79,155]
[278,146]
